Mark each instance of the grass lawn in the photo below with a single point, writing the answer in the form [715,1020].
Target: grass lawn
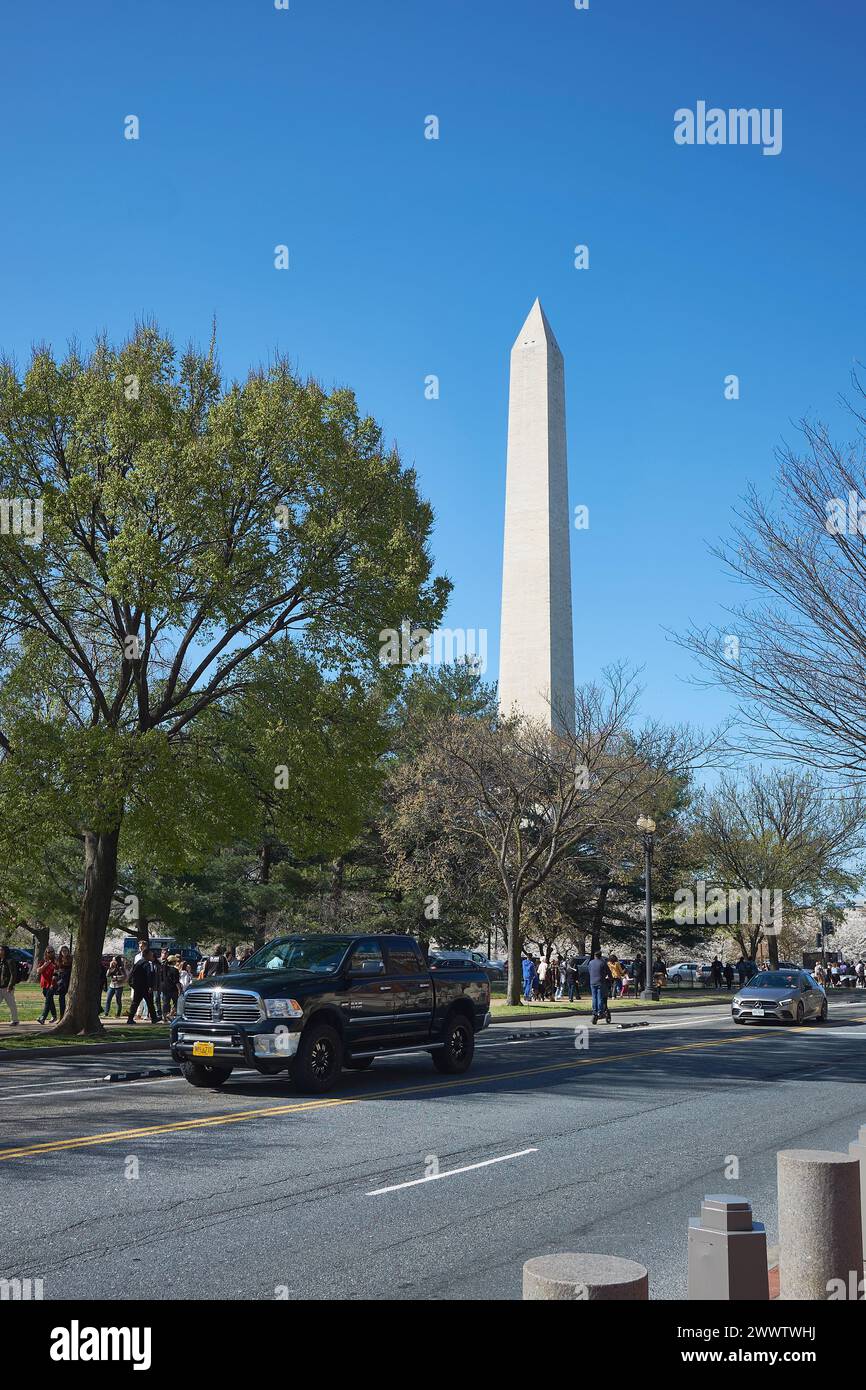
[536,1013]
[141,1032]
[29,1000]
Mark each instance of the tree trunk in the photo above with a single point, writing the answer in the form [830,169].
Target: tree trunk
[41,937]
[773,948]
[598,919]
[100,881]
[260,921]
[515,966]
[336,892]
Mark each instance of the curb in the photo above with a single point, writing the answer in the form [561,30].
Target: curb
[81,1050]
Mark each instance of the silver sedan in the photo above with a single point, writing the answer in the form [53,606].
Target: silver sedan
[788,996]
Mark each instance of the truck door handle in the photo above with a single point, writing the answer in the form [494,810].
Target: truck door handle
[385,989]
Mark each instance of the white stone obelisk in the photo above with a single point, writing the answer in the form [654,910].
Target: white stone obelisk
[536,662]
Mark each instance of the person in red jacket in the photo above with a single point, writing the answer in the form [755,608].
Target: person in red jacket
[47,972]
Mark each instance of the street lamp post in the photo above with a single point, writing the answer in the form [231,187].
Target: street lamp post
[647,826]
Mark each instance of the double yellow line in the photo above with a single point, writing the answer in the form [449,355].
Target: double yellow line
[118,1136]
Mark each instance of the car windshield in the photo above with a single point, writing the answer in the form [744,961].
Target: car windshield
[315,955]
[775,979]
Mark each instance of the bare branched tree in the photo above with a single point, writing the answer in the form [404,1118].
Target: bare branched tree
[525,799]
[794,654]
[781,832]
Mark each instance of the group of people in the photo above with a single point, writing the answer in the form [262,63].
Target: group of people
[157,980]
[838,973]
[55,974]
[560,976]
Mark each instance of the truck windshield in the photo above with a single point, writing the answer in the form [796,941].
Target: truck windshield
[316,955]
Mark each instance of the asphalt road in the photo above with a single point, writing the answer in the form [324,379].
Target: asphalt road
[151,1189]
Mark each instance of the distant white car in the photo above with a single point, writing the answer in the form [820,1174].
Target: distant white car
[687,973]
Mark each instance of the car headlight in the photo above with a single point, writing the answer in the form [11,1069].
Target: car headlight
[283,1008]
[785,1003]
[737,1000]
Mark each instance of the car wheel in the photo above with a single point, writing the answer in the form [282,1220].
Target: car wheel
[821,1016]
[799,1015]
[358,1063]
[456,1056]
[319,1059]
[197,1074]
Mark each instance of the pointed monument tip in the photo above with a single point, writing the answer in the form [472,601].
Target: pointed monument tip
[536,329]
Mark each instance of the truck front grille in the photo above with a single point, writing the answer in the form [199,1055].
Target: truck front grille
[222,1006]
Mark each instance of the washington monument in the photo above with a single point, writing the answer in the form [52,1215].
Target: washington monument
[536,664]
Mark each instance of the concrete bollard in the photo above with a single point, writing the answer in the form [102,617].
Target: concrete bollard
[820,1229]
[584,1277]
[857,1149]
[727,1252]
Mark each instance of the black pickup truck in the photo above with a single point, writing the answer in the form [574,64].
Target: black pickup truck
[310,1005]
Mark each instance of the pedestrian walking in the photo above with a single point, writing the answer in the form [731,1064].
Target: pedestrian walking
[47,971]
[639,973]
[117,978]
[8,981]
[142,981]
[527,978]
[543,968]
[169,984]
[729,975]
[216,964]
[716,973]
[599,983]
[572,979]
[616,972]
[63,977]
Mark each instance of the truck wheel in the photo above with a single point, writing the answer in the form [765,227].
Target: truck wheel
[456,1056]
[197,1074]
[358,1063]
[319,1059]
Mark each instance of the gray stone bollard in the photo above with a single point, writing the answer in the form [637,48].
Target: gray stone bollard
[857,1149]
[820,1230]
[584,1277]
[727,1252]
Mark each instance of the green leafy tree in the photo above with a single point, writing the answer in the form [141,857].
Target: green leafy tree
[187,526]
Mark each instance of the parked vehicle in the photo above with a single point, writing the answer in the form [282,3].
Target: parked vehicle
[495,970]
[788,996]
[310,1005]
[686,973]
[24,959]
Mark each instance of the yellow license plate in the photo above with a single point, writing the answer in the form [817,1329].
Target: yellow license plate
[202,1049]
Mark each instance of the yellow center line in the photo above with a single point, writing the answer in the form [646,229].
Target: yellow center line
[266,1111]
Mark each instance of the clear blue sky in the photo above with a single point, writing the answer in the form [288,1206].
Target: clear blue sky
[411,257]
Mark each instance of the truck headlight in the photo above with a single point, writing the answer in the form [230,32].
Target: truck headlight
[179,1007]
[283,1008]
